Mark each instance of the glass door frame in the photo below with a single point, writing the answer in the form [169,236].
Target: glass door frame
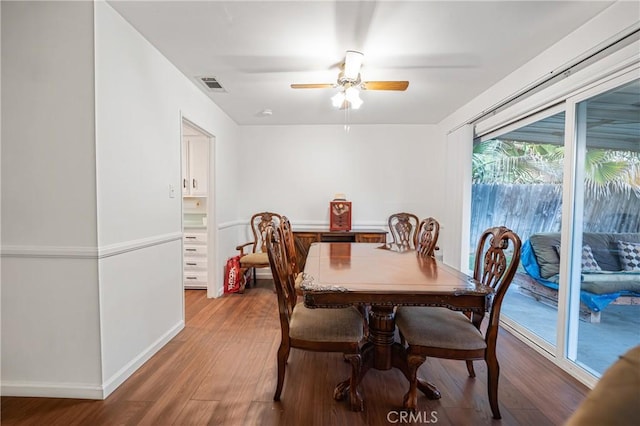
[549,346]
[572,222]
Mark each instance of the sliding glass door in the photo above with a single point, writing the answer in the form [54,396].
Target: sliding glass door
[517,182]
[604,320]
[567,180]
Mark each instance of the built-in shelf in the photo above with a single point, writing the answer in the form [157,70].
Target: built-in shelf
[194,226]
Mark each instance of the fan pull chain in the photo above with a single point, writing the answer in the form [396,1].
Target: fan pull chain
[347,127]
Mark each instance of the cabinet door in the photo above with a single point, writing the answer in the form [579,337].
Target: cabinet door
[303,241]
[185,167]
[199,166]
[371,238]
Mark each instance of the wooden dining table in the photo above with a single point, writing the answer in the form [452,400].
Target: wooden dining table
[382,277]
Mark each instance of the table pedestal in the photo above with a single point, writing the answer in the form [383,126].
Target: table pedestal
[382,352]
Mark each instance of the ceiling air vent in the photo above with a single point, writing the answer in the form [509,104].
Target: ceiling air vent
[212,84]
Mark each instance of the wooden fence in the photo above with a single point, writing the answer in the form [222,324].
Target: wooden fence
[528,209]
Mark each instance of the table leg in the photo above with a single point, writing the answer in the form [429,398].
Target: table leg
[342,389]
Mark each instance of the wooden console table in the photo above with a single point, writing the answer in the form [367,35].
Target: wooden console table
[305,237]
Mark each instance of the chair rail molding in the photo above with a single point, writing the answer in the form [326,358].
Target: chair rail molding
[231,224]
[73,252]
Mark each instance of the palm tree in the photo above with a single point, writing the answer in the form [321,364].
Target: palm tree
[516,162]
[609,171]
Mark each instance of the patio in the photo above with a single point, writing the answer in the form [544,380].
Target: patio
[599,344]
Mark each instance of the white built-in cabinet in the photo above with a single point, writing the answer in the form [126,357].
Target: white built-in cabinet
[195,165]
[195,258]
[195,192]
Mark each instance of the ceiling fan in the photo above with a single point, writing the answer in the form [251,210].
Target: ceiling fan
[350,83]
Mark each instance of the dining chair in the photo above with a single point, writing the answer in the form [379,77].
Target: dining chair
[320,330]
[403,227]
[443,333]
[427,237]
[291,252]
[257,257]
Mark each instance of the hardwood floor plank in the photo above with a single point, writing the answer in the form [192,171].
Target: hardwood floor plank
[196,413]
[221,370]
[232,375]
[527,418]
[230,413]
[49,411]
[115,413]
[264,413]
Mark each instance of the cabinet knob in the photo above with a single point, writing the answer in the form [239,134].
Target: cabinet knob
[194,184]
[184,183]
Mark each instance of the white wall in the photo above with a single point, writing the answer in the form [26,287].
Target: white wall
[457,199]
[382,169]
[50,335]
[139,108]
[47,84]
[91,241]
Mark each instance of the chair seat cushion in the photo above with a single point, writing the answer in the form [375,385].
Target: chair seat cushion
[439,328]
[326,325]
[255,259]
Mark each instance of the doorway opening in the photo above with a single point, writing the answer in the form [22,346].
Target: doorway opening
[197,208]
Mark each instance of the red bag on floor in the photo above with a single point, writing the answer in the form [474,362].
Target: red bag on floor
[232,275]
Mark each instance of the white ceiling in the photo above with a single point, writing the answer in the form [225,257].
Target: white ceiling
[449,51]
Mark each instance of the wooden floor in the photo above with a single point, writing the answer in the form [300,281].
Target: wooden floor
[221,370]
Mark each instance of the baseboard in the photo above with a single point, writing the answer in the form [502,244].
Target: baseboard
[83,391]
[125,372]
[51,390]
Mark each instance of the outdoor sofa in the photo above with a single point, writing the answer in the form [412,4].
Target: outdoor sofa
[610,270]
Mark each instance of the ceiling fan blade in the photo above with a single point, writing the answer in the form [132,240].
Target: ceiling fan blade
[313,86]
[385,85]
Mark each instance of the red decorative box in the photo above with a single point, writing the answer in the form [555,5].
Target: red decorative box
[340,215]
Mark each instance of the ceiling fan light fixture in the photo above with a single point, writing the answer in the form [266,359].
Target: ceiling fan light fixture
[338,99]
[352,95]
[348,98]
[352,65]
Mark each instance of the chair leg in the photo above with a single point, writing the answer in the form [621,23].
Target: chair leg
[364,311]
[414,362]
[493,373]
[470,369]
[355,400]
[283,355]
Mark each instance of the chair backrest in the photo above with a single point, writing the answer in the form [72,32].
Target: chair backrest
[494,268]
[282,277]
[403,227]
[427,237]
[259,224]
[289,244]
